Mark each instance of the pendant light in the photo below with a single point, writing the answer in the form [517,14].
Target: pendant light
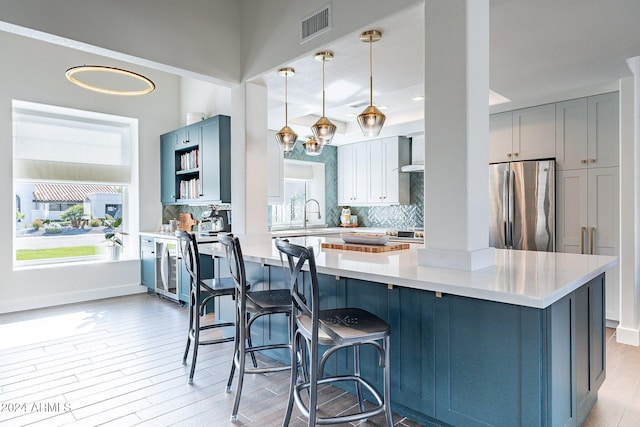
[311,146]
[371,119]
[286,137]
[323,130]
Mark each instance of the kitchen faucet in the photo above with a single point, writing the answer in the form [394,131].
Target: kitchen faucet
[305,211]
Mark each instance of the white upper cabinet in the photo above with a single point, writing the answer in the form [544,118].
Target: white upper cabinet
[604,134]
[386,184]
[352,174]
[526,134]
[369,172]
[587,133]
[500,137]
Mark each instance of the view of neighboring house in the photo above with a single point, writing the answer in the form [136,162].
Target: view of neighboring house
[47,201]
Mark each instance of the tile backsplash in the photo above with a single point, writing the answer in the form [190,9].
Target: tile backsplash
[397,217]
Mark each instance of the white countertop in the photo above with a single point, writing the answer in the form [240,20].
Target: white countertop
[313,231]
[171,235]
[526,278]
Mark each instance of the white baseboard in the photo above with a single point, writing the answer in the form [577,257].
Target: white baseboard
[628,336]
[35,301]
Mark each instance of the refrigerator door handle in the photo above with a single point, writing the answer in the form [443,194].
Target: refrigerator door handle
[592,240]
[505,207]
[512,178]
[583,231]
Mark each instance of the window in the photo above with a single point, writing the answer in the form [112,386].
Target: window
[303,181]
[71,168]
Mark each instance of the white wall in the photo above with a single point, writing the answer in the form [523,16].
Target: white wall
[197,96]
[200,36]
[35,72]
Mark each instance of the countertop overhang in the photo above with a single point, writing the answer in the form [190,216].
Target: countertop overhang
[171,235]
[525,278]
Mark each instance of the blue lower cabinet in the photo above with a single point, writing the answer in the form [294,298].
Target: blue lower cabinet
[487,363]
[412,321]
[589,348]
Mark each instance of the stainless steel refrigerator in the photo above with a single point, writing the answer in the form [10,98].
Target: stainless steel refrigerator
[522,205]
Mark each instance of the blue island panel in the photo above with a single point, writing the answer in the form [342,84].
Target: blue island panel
[462,361]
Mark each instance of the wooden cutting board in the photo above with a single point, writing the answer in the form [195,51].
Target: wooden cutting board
[367,248]
[186,221]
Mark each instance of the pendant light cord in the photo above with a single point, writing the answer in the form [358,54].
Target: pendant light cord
[370,70]
[323,60]
[286,100]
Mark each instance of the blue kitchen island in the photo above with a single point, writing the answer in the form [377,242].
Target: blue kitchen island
[521,343]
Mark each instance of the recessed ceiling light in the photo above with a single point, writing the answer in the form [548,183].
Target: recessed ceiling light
[418,98]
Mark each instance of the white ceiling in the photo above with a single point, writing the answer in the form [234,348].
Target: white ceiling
[539,50]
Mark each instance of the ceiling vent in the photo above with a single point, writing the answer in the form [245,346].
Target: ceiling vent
[359,104]
[317,23]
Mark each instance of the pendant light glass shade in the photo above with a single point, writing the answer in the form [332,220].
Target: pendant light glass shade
[323,129]
[286,137]
[311,147]
[371,119]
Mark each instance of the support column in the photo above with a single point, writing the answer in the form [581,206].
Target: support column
[628,331]
[456,196]
[248,159]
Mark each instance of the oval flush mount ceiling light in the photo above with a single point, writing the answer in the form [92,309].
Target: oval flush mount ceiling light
[100,77]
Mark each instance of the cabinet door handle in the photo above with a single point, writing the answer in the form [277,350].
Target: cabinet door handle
[592,240]
[508,154]
[592,160]
[583,161]
[515,154]
[583,231]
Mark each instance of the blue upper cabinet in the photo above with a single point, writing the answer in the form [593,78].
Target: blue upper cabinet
[167,167]
[196,163]
[216,156]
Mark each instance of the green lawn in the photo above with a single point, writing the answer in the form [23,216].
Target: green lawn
[71,251]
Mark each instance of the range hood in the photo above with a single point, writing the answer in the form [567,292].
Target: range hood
[417,154]
[413,167]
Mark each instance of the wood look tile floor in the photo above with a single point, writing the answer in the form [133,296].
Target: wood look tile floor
[118,362]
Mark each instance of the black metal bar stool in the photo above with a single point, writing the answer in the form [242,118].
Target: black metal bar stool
[337,329]
[201,292]
[250,306]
